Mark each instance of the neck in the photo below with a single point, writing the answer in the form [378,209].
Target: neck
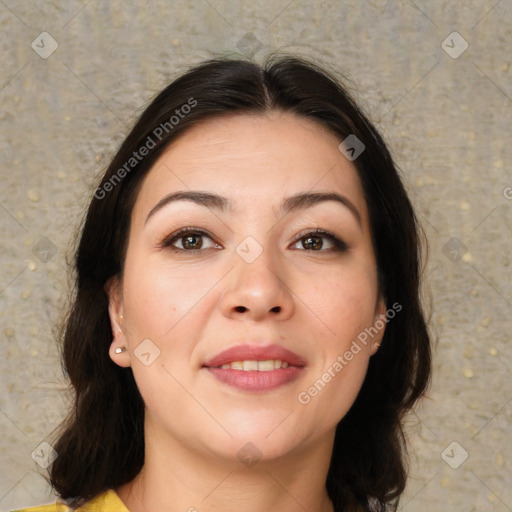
[177,478]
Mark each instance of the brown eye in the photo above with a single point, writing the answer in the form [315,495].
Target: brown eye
[315,242]
[312,242]
[191,242]
[188,240]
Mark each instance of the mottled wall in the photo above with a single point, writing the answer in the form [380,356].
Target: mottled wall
[445,110]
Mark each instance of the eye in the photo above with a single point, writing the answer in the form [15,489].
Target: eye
[190,239]
[314,241]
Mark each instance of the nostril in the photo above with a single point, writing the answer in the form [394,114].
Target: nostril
[240,309]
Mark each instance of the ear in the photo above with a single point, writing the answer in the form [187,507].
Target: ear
[379,323]
[113,289]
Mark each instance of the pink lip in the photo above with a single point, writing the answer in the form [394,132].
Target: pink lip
[255,353]
[255,380]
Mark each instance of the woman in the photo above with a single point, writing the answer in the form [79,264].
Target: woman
[247,332]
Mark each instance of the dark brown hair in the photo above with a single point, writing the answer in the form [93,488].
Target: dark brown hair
[101,443]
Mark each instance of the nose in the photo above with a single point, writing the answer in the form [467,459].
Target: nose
[257,290]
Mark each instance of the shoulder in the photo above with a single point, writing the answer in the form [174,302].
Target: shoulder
[107,501]
[53,507]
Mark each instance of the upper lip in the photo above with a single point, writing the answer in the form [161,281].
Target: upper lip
[255,353]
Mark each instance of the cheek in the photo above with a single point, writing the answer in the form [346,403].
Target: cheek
[344,300]
[157,297]
[346,303]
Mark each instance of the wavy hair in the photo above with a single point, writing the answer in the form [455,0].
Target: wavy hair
[100,445]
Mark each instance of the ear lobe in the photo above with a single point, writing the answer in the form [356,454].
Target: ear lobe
[115,311]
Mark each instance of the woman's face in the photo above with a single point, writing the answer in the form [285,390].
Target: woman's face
[251,274]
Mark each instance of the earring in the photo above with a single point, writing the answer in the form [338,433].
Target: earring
[118,350]
[377,345]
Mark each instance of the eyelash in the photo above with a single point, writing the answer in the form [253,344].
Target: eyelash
[339,245]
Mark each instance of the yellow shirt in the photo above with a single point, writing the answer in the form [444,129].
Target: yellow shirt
[108,501]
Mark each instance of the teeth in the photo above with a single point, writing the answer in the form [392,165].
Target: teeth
[250,365]
[262,366]
[265,366]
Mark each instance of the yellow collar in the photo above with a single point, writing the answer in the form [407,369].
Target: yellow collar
[107,501]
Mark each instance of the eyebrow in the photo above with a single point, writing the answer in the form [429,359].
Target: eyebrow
[293,203]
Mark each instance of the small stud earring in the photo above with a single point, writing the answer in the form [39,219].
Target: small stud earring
[120,349]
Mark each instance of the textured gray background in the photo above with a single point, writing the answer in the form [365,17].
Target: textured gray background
[447,120]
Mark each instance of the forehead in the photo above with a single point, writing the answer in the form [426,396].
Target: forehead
[254,161]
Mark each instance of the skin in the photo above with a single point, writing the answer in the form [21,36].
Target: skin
[192,305]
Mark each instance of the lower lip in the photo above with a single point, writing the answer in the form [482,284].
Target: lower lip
[255,380]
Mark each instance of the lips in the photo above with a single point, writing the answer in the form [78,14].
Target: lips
[236,367]
[255,353]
